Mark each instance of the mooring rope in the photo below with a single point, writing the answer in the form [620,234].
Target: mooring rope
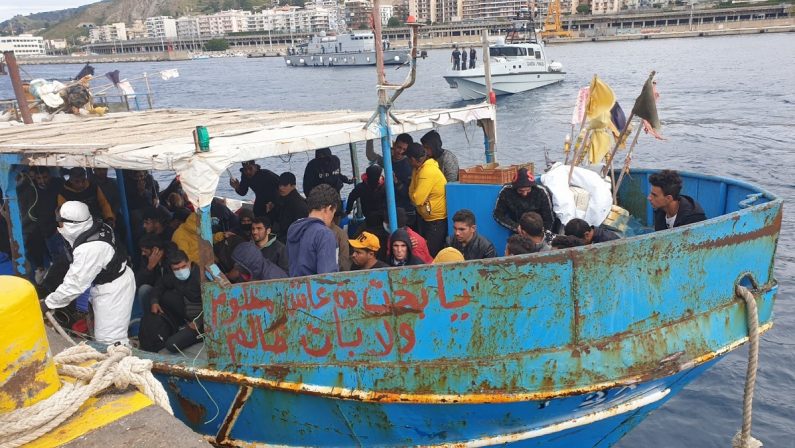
[117,367]
[743,438]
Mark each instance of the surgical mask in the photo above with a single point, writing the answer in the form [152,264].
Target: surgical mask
[245,227]
[182,274]
[215,221]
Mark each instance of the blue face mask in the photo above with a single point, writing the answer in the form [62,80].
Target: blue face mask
[182,274]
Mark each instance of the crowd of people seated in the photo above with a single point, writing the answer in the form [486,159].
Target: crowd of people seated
[283,235]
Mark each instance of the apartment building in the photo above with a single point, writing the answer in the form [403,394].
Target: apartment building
[161,27]
[437,11]
[188,27]
[23,44]
[224,22]
[357,14]
[108,33]
[492,9]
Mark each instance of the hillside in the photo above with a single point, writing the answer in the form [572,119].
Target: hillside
[64,23]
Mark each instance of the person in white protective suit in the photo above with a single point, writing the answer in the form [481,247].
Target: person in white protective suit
[99,266]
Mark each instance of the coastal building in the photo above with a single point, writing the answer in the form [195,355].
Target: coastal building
[137,30]
[161,27]
[386,12]
[335,22]
[55,46]
[438,11]
[223,23]
[357,14]
[491,9]
[605,6]
[108,33]
[23,44]
[188,27]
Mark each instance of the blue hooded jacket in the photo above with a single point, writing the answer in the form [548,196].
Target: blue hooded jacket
[311,248]
[250,258]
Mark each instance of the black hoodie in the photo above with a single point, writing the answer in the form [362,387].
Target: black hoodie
[411,259]
[448,162]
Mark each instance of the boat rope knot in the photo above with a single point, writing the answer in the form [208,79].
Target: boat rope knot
[743,438]
[116,367]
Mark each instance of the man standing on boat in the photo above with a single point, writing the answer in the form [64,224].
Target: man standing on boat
[472,57]
[456,58]
[401,172]
[98,264]
[311,244]
[448,162]
[463,59]
[265,184]
[672,209]
[427,192]
[522,196]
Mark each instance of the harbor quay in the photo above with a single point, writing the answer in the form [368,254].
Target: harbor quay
[607,27]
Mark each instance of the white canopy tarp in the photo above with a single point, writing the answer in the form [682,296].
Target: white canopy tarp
[163,139]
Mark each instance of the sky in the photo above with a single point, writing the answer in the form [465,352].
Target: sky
[10,8]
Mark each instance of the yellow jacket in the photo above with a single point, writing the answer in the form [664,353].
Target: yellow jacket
[426,191]
[186,237]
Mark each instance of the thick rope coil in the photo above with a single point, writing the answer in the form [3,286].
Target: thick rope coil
[117,367]
[743,438]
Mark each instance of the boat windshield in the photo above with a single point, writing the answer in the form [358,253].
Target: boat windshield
[507,51]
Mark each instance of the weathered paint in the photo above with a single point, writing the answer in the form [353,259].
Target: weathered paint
[95,413]
[28,373]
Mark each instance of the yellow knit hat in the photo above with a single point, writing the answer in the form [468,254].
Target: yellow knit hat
[447,255]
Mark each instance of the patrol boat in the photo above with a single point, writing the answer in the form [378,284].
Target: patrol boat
[354,49]
[518,63]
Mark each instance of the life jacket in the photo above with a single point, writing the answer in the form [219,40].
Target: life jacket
[117,265]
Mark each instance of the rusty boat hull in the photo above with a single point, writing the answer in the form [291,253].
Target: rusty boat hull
[567,348]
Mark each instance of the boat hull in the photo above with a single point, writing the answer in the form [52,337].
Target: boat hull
[506,350]
[474,87]
[242,413]
[366,58]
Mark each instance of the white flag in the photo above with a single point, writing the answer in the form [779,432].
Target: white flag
[126,88]
[168,74]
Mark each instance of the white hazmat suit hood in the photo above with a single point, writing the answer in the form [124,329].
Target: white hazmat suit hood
[76,220]
[111,301]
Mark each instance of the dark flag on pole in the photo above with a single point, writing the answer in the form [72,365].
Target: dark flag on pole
[646,104]
[87,70]
[113,76]
[617,117]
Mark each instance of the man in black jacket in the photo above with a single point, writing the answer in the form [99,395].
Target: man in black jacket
[522,196]
[467,239]
[265,184]
[324,169]
[176,298]
[289,207]
[672,209]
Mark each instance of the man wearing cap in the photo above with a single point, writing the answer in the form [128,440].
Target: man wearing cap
[364,252]
[265,184]
[520,197]
[98,263]
[289,207]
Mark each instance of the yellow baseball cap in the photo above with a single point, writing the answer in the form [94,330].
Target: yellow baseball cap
[366,241]
[448,254]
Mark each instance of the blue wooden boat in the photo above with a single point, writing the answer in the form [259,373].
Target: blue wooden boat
[570,348]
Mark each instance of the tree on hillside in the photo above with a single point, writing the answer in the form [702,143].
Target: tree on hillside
[583,9]
[393,22]
[216,45]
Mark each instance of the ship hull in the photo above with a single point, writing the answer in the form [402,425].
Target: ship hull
[363,59]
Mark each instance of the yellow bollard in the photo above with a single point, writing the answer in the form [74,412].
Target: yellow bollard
[27,371]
